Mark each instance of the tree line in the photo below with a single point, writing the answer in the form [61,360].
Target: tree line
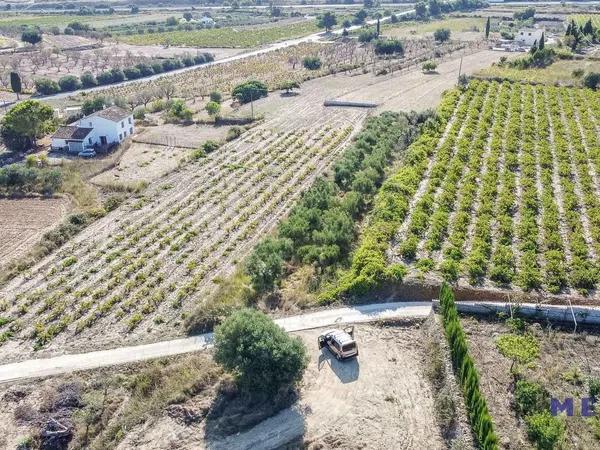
[46,86]
[321,228]
[464,367]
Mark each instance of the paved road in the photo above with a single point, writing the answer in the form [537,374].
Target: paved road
[70,363]
[272,47]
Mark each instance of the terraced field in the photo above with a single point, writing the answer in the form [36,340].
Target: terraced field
[141,267]
[503,192]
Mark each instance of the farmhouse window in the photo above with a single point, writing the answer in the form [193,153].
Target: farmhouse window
[124,133]
[122,124]
[90,140]
[91,126]
[131,131]
[129,120]
[120,136]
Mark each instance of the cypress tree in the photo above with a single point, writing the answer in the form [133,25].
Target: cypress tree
[15,83]
[487,28]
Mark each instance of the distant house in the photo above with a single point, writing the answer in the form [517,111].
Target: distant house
[207,21]
[98,130]
[526,37]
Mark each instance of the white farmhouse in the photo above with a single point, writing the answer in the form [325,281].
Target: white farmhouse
[207,21]
[99,130]
[526,37]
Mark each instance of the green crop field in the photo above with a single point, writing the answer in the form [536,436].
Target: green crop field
[225,37]
[581,19]
[503,191]
[454,24]
[558,72]
[96,21]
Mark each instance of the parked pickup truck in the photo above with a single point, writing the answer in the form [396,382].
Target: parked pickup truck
[340,343]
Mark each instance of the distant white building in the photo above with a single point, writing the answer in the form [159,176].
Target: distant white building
[206,21]
[98,130]
[526,37]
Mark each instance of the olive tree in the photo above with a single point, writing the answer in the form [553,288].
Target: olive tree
[263,358]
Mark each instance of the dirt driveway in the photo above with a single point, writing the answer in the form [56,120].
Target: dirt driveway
[380,400]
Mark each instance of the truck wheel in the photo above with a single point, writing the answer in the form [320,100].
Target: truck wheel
[338,357]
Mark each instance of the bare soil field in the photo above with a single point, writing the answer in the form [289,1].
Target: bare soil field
[383,399]
[23,221]
[400,91]
[142,162]
[192,136]
[567,360]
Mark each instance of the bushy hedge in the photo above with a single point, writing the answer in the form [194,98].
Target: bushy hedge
[20,179]
[464,367]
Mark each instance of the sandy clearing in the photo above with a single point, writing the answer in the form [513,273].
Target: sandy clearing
[380,400]
[23,221]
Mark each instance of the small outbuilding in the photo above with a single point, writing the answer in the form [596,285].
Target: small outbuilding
[100,130]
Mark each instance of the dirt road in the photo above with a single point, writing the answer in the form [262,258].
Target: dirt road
[70,363]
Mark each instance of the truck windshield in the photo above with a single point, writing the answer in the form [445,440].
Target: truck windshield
[349,347]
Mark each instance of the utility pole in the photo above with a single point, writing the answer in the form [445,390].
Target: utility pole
[252,103]
[460,68]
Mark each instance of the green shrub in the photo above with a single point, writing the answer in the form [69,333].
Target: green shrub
[210,146]
[234,133]
[594,388]
[265,264]
[69,83]
[530,398]
[389,47]
[441,34]
[263,357]
[215,96]
[46,86]
[545,430]
[592,80]
[312,63]
[521,349]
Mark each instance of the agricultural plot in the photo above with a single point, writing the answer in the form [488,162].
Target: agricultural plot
[465,28]
[559,72]
[147,263]
[277,67]
[141,163]
[503,192]
[48,62]
[564,366]
[226,37]
[24,220]
[581,19]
